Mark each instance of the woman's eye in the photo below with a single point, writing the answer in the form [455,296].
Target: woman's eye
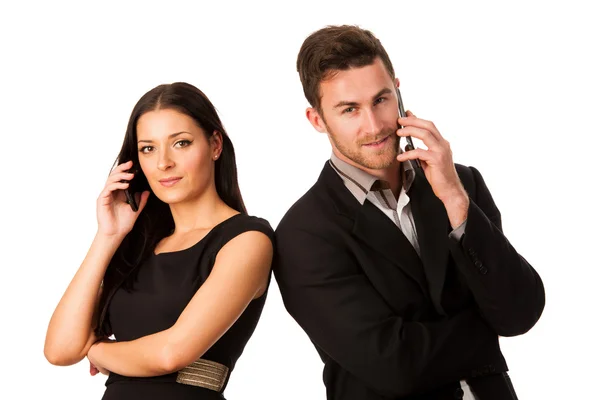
[183,143]
[145,149]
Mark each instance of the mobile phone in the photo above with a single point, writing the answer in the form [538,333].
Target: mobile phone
[131,199]
[410,145]
[137,184]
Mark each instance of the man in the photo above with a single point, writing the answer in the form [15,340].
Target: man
[399,273]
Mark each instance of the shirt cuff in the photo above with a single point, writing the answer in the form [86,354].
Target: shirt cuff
[459,231]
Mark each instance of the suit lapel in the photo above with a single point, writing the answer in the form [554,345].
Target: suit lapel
[377,231]
[432,225]
[374,228]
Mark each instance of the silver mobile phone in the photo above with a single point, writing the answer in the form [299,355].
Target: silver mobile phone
[410,145]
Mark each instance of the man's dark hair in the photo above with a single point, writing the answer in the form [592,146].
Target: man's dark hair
[336,48]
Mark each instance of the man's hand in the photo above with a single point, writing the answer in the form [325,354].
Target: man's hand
[438,166]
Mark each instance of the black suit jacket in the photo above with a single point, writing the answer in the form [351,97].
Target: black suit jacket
[389,324]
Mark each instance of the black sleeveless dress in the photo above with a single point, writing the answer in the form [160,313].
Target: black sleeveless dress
[165,284]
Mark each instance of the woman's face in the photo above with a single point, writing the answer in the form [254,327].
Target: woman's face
[175,155]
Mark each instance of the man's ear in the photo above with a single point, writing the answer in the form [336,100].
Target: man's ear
[316,120]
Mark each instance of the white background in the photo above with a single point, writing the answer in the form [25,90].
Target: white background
[513,86]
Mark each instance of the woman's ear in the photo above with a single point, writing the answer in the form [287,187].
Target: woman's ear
[216,144]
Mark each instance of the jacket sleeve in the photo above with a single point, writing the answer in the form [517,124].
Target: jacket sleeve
[327,293]
[508,291]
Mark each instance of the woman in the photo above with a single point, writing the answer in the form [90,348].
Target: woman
[182,281]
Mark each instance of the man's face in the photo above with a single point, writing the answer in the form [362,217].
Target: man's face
[360,115]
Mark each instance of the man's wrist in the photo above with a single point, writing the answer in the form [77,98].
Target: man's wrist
[457,207]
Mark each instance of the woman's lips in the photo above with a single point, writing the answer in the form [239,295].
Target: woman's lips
[169,181]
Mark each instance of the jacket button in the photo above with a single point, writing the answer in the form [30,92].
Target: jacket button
[458,393]
[483,270]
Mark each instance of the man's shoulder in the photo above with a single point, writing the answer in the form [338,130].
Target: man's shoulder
[465,173]
[472,180]
[463,170]
[308,210]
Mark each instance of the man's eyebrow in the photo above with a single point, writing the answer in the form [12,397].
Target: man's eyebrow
[382,92]
[344,103]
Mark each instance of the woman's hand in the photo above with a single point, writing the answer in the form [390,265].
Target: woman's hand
[95,370]
[115,216]
[95,366]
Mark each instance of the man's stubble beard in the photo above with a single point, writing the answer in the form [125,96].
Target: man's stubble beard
[375,160]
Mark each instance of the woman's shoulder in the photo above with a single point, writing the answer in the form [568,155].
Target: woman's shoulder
[241,223]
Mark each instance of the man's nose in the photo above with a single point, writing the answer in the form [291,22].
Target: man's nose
[373,123]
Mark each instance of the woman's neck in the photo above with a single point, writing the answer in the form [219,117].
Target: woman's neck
[202,213]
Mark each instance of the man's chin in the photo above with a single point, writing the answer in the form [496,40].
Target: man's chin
[380,165]
[379,161]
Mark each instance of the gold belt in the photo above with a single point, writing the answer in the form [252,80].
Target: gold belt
[204,373]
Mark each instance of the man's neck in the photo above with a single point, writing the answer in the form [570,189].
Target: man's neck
[392,174]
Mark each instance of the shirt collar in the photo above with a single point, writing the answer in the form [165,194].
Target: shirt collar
[360,182]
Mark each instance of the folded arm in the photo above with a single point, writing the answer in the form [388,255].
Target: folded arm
[240,274]
[71,329]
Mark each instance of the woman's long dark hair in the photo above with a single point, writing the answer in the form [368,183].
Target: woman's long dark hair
[155,221]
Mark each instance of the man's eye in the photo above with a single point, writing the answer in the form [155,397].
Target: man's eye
[349,110]
[380,100]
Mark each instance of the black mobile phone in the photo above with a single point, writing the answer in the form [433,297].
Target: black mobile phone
[410,145]
[137,184]
[131,199]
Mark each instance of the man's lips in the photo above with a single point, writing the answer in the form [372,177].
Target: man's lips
[377,143]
